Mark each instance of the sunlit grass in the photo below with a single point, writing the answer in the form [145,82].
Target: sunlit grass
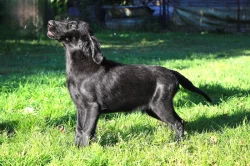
[37,116]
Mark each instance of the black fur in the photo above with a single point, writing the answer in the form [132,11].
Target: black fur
[98,85]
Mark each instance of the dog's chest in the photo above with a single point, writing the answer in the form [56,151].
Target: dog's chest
[81,89]
[73,90]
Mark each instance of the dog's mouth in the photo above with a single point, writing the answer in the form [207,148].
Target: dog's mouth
[51,29]
[50,34]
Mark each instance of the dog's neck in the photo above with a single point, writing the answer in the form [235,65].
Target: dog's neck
[79,63]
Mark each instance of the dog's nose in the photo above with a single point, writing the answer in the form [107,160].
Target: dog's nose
[51,23]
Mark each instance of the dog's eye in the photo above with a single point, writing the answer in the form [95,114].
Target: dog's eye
[71,26]
[67,39]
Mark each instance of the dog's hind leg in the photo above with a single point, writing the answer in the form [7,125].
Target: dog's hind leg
[161,108]
[165,112]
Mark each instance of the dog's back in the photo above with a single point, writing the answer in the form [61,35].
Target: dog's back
[129,87]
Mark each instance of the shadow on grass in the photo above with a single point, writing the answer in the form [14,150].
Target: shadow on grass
[110,138]
[217,93]
[71,118]
[26,47]
[217,123]
[25,57]
[29,55]
[111,135]
[8,127]
[175,46]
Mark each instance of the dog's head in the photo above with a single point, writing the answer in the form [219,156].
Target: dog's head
[76,35]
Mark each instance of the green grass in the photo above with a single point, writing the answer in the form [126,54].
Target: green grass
[37,116]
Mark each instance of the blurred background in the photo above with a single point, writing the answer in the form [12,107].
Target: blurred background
[28,18]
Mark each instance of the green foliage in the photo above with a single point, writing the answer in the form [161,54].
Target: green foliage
[37,116]
[59,7]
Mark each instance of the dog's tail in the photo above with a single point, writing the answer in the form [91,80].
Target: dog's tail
[185,83]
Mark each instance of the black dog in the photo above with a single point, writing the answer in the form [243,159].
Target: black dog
[98,85]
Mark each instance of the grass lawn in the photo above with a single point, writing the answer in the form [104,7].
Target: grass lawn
[37,116]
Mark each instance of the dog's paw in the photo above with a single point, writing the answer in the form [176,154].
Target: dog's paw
[179,138]
[178,127]
[81,140]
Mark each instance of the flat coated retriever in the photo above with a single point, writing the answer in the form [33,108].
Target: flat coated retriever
[98,85]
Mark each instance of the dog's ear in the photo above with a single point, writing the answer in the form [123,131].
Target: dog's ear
[96,53]
[84,28]
[95,50]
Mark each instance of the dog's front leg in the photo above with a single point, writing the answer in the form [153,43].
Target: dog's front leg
[87,118]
